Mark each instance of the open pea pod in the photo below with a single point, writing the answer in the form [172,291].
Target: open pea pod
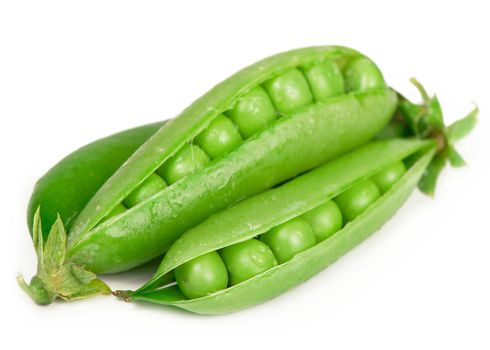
[302,122]
[260,214]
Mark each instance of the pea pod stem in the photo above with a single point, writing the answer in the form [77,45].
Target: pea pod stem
[426,120]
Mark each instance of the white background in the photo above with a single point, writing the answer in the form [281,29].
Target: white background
[71,72]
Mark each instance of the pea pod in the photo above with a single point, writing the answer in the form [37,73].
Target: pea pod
[262,126]
[307,132]
[259,214]
[67,187]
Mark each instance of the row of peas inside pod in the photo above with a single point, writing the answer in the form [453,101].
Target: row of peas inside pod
[234,264]
[279,96]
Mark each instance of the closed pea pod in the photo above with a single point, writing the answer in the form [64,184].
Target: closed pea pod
[263,212]
[67,187]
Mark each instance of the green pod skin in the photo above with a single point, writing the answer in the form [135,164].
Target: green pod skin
[317,132]
[257,215]
[68,186]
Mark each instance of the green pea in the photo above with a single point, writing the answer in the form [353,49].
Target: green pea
[289,239]
[253,112]
[118,209]
[362,74]
[325,80]
[185,161]
[247,259]
[153,184]
[387,178]
[356,199]
[219,138]
[289,91]
[202,275]
[325,220]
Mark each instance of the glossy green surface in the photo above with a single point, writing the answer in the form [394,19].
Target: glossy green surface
[258,214]
[188,159]
[362,74]
[253,112]
[325,220]
[325,80]
[202,275]
[68,186]
[318,132]
[219,138]
[357,198]
[289,91]
[389,176]
[247,259]
[290,238]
